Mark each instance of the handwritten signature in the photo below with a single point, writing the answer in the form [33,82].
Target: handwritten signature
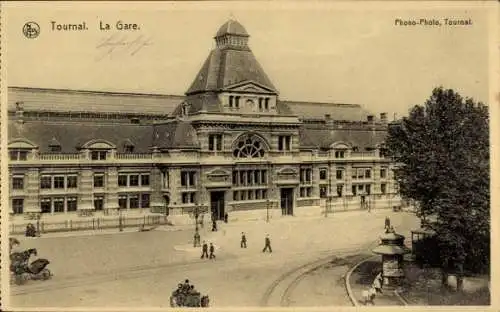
[119,44]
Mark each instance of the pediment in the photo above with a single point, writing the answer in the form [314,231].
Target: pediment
[287,171]
[249,87]
[98,144]
[218,173]
[21,144]
[340,145]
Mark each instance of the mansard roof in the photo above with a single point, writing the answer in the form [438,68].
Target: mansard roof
[318,110]
[35,99]
[73,135]
[176,134]
[201,102]
[58,100]
[323,138]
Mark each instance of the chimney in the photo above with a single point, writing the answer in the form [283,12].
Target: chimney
[369,118]
[383,117]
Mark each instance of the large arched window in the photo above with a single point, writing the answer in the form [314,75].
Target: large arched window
[249,146]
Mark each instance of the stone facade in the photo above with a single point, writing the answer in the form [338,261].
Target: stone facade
[231,146]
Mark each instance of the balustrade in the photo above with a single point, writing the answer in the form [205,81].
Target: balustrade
[59,156]
[134,156]
[369,154]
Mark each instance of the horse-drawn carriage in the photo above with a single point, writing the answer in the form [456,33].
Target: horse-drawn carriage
[22,270]
[186,296]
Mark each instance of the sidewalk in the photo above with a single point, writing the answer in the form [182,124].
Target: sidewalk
[63,217]
[110,231]
[232,229]
[291,234]
[361,277]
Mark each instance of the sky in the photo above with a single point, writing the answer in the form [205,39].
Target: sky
[312,51]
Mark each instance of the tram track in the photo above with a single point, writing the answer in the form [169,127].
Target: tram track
[281,289]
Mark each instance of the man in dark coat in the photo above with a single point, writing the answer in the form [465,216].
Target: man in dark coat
[212,250]
[214,226]
[186,286]
[178,295]
[267,244]
[226,217]
[30,230]
[204,250]
[387,225]
[243,243]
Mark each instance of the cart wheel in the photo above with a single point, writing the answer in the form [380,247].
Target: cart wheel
[46,274]
[20,279]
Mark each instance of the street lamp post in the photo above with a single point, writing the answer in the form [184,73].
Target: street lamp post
[38,217]
[196,240]
[328,204]
[267,208]
[120,224]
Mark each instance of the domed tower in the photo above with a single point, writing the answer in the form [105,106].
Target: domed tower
[232,35]
[231,80]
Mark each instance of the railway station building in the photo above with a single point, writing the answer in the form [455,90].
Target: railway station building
[228,145]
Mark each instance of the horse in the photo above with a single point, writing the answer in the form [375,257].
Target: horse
[21,259]
[12,242]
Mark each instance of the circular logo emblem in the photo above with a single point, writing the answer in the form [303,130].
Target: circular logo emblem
[31,30]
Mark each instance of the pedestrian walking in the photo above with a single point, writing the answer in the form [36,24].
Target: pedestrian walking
[267,244]
[214,226]
[204,250]
[197,239]
[243,243]
[387,225]
[212,250]
[377,283]
[226,217]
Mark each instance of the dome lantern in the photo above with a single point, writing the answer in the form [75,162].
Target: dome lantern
[232,35]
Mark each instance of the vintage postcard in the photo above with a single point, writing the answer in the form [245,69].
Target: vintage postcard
[247,155]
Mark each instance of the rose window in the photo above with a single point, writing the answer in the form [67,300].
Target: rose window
[249,147]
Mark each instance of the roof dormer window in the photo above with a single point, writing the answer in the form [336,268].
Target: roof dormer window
[99,148]
[99,155]
[55,149]
[19,149]
[54,146]
[128,146]
[185,110]
[18,155]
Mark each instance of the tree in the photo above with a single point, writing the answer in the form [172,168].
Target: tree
[443,151]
